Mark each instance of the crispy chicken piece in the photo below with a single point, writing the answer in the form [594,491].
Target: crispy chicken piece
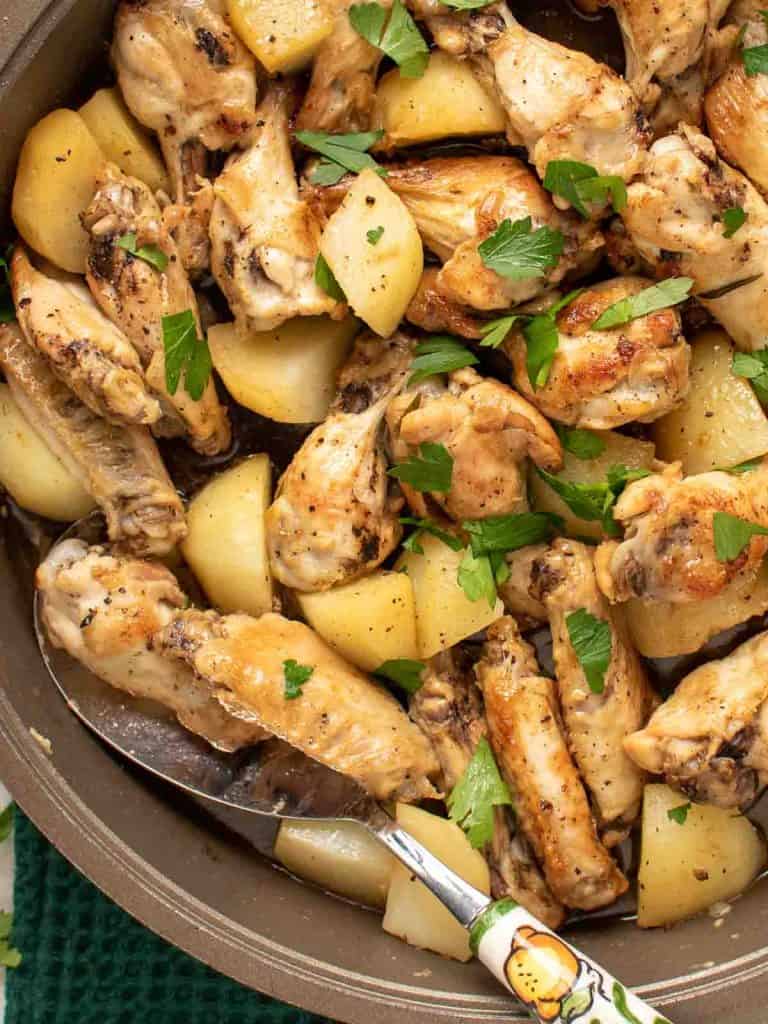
[120,466]
[595,723]
[341,718]
[448,708]
[136,296]
[457,202]
[184,73]
[550,802]
[489,431]
[668,551]
[106,610]
[265,238]
[432,311]
[710,738]
[674,222]
[82,347]
[335,513]
[604,378]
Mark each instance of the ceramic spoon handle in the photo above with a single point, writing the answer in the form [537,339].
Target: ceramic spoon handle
[555,982]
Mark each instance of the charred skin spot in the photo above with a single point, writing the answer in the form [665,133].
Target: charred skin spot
[676,536]
[254,265]
[356,397]
[212,48]
[636,577]
[101,258]
[369,545]
[229,259]
[544,579]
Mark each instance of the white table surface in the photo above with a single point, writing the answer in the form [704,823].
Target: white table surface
[6,888]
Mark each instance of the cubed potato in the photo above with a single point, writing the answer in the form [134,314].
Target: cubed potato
[686,868]
[369,621]
[283,34]
[444,613]
[448,100]
[55,181]
[413,913]
[663,630]
[619,450]
[31,473]
[721,422]
[340,856]
[379,280]
[226,544]
[288,374]
[123,140]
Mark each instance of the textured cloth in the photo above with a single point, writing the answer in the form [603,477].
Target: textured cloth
[6,887]
[87,962]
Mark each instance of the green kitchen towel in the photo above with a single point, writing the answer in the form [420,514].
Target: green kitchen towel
[85,961]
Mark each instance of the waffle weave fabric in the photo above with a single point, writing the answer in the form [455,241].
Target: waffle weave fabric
[87,962]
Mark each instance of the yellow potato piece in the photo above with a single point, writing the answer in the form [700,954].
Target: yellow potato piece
[123,140]
[413,913]
[721,422]
[444,613]
[288,374]
[369,621]
[283,34]
[226,545]
[31,473]
[379,280]
[686,868]
[55,181]
[446,101]
[619,450]
[340,856]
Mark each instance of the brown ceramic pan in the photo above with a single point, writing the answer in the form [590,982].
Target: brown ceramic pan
[194,882]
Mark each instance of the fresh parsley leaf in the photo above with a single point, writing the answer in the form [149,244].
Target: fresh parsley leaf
[649,300]
[542,339]
[473,798]
[428,526]
[295,675]
[404,672]
[733,534]
[595,502]
[479,574]
[508,533]
[374,235]
[439,354]
[591,642]
[580,184]
[151,254]
[9,957]
[184,351]
[679,814]
[400,40]
[430,470]
[584,444]
[466,5]
[733,218]
[742,467]
[753,366]
[7,308]
[618,476]
[517,252]
[341,153]
[755,60]
[325,280]
[495,331]
[6,822]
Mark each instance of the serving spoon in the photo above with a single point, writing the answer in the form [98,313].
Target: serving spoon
[553,980]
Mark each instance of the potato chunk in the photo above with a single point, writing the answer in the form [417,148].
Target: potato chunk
[619,450]
[413,913]
[55,181]
[226,545]
[283,34]
[446,101]
[721,422]
[684,869]
[340,856]
[288,374]
[378,279]
[444,613]
[31,473]
[123,140]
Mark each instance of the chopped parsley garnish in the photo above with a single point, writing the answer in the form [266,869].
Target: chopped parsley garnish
[649,300]
[733,534]
[439,354]
[9,957]
[584,444]
[580,184]
[753,366]
[324,279]
[472,800]
[495,331]
[404,672]
[516,251]
[733,218]
[430,470]
[396,35]
[591,642]
[542,340]
[340,153]
[679,814]
[411,543]
[755,60]
[7,309]
[479,575]
[595,502]
[6,822]
[374,235]
[151,254]
[184,351]
[295,675]
[742,467]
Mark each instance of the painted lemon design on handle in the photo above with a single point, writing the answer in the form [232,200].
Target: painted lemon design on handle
[541,970]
